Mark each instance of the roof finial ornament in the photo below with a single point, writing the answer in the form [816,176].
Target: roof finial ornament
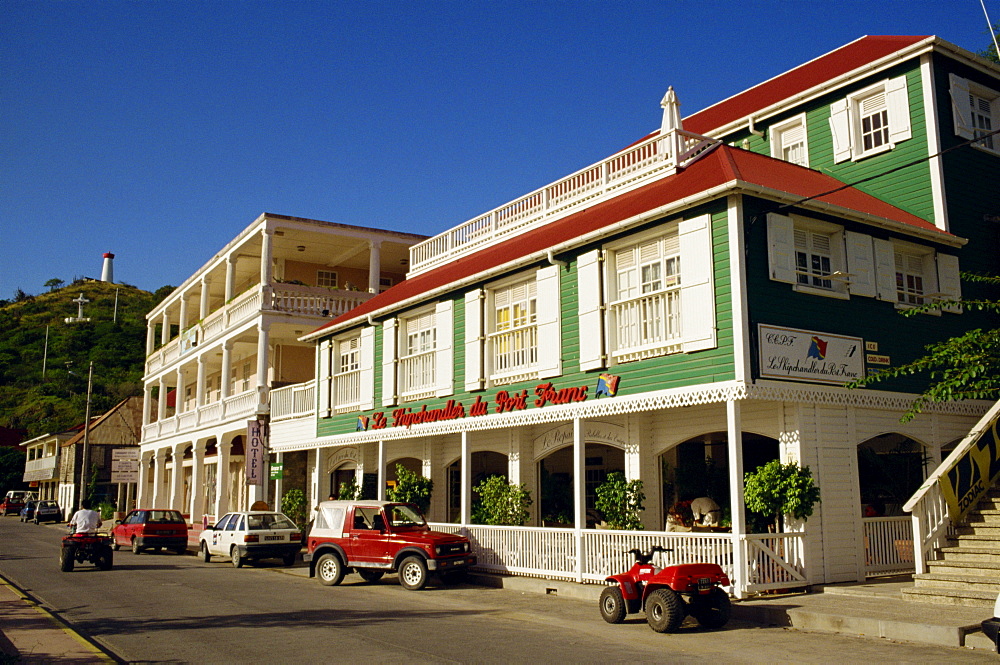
[671,112]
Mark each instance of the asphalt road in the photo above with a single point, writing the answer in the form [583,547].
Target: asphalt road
[167,608]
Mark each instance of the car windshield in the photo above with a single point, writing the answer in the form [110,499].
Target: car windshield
[269,521]
[404,516]
[165,517]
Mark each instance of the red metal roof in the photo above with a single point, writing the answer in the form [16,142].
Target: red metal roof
[722,165]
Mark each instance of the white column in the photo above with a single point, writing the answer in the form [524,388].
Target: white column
[227,370]
[262,357]
[183,318]
[177,478]
[147,404]
[143,484]
[197,507]
[230,277]
[279,485]
[380,495]
[316,475]
[579,492]
[203,303]
[159,466]
[200,385]
[734,425]
[165,328]
[267,248]
[179,395]
[222,482]
[466,464]
[374,265]
[161,401]
[150,337]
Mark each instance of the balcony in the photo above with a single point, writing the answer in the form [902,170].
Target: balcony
[235,407]
[296,299]
[648,160]
[41,469]
[295,401]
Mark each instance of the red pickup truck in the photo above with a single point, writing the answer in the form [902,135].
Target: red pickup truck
[378,537]
[15,500]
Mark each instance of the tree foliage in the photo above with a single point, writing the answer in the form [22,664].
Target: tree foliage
[411,488]
[501,503]
[293,505]
[620,501]
[777,489]
[11,469]
[990,52]
[966,366]
[349,490]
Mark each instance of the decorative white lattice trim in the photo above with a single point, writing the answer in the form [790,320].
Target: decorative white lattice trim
[714,393]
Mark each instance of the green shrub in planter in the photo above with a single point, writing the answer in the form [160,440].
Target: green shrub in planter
[777,489]
[411,488]
[620,501]
[501,503]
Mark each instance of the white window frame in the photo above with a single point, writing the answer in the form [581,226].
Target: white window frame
[417,355]
[795,129]
[346,373]
[965,115]
[512,350]
[785,249]
[847,116]
[327,278]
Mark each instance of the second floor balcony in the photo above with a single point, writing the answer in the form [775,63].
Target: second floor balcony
[44,468]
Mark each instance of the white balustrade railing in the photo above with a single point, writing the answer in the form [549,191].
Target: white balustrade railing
[315,301]
[774,561]
[417,373]
[293,401]
[514,350]
[187,420]
[244,403]
[210,413]
[347,389]
[244,306]
[888,545]
[213,325]
[655,157]
[646,321]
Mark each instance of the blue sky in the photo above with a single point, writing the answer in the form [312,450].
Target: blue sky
[158,130]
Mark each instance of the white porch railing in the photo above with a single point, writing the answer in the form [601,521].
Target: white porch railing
[888,545]
[237,406]
[774,561]
[514,351]
[653,158]
[314,300]
[648,322]
[293,401]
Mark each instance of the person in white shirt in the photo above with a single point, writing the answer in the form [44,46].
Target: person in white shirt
[85,520]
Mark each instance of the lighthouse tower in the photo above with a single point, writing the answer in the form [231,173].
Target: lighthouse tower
[108,272]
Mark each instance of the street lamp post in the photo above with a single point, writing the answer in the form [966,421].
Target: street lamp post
[86,434]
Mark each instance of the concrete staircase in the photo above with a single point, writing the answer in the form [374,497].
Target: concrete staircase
[968,572]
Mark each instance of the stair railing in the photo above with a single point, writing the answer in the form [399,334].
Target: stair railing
[954,487]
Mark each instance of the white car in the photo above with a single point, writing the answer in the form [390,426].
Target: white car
[251,536]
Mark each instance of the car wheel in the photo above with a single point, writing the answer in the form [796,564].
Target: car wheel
[135,546]
[289,559]
[329,570]
[237,558]
[413,573]
[181,549]
[370,575]
[35,521]
[66,556]
[106,559]
[206,556]
[612,605]
[664,611]
[711,610]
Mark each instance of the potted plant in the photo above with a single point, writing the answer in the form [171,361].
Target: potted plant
[620,501]
[411,488]
[775,490]
[501,503]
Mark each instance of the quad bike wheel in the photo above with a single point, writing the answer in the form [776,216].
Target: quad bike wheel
[105,559]
[66,557]
[711,610]
[612,605]
[664,610]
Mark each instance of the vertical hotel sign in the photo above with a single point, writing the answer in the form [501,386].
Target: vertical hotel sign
[973,473]
[257,431]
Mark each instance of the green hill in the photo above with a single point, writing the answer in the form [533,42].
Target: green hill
[115,343]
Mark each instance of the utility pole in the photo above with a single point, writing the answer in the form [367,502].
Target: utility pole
[86,434]
[45,353]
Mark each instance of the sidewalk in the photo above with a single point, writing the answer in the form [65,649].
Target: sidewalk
[30,634]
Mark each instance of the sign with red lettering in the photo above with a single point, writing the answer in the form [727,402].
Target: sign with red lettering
[503,401]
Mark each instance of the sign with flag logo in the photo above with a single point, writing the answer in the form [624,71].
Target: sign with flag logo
[805,355]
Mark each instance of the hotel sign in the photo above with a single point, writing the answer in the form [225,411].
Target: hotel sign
[805,355]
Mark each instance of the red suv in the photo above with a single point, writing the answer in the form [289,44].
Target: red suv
[378,537]
[151,529]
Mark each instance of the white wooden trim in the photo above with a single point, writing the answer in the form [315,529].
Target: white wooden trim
[390,377]
[949,281]
[590,319]
[932,121]
[549,322]
[324,359]
[898,104]
[474,340]
[444,356]
[781,247]
[367,368]
[885,269]
[840,129]
[697,284]
[960,108]
[860,264]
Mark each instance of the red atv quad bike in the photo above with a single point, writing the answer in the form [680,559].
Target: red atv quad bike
[667,594]
[80,547]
